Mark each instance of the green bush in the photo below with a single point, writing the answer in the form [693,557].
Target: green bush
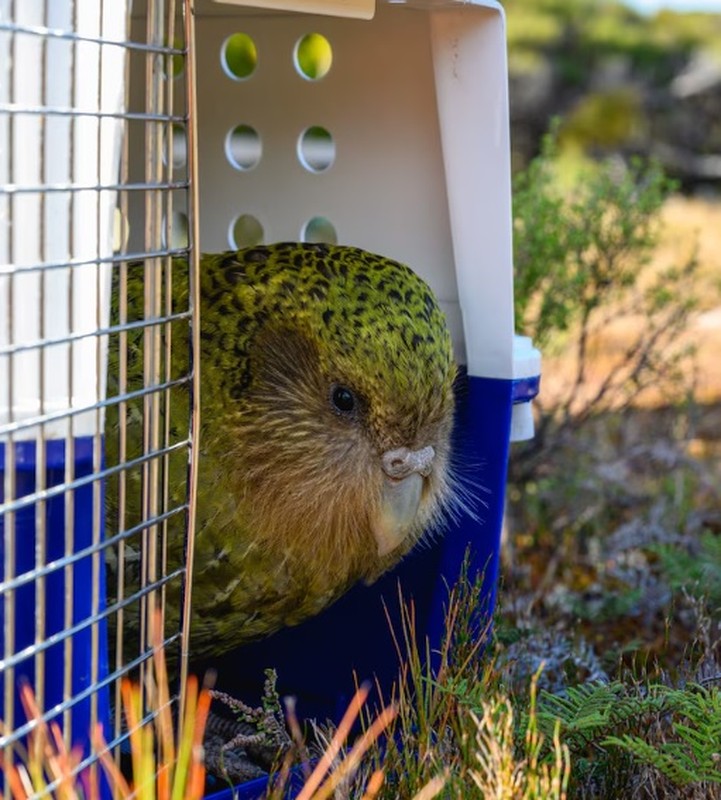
[583,241]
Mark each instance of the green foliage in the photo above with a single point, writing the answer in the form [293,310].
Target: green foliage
[592,29]
[598,489]
[604,119]
[696,567]
[676,731]
[580,57]
[583,240]
[458,725]
[432,734]
[577,246]
[590,712]
[534,28]
[612,605]
[619,31]
[470,722]
[672,29]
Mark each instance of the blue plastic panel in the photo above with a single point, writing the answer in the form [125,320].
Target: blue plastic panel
[525,389]
[83,575]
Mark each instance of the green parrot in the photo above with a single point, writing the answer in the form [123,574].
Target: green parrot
[326,415]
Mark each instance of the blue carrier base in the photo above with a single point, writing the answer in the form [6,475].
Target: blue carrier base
[84,676]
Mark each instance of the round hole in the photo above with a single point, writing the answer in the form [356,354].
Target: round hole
[239,56]
[179,147]
[175,61]
[319,229]
[179,231]
[243,147]
[316,149]
[245,231]
[121,231]
[313,56]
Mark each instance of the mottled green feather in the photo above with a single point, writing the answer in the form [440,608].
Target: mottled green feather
[289,486]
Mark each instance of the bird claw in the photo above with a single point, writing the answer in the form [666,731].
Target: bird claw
[253,743]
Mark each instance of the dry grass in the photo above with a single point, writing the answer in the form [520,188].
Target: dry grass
[686,219]
[501,771]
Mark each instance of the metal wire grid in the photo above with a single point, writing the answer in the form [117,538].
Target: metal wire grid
[93,149]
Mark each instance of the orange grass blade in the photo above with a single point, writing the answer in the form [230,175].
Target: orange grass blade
[72,757]
[57,770]
[164,720]
[130,696]
[37,739]
[141,742]
[20,784]
[185,745]
[27,697]
[282,776]
[432,789]
[163,781]
[201,716]
[94,786]
[196,787]
[145,785]
[62,762]
[353,759]
[341,734]
[16,790]
[47,752]
[196,779]
[114,775]
[374,785]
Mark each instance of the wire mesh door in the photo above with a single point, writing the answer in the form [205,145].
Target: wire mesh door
[98,400]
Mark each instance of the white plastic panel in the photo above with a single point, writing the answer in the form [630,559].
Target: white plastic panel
[385,103]
[362,9]
[63,224]
[469,50]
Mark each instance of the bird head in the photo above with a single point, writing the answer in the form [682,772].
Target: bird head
[336,406]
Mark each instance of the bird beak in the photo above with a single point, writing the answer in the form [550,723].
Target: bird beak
[404,471]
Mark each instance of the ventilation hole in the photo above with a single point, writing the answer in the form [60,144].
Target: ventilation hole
[121,231]
[179,231]
[243,147]
[316,149]
[179,146]
[245,231]
[319,229]
[175,62]
[239,56]
[313,56]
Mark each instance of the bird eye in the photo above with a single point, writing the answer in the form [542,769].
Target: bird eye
[343,399]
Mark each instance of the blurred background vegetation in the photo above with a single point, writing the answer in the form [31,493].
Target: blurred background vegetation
[612,554]
[614,533]
[622,82]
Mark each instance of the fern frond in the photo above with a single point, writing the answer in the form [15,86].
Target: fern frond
[592,711]
[665,759]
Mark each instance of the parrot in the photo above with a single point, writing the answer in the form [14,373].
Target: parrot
[326,414]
